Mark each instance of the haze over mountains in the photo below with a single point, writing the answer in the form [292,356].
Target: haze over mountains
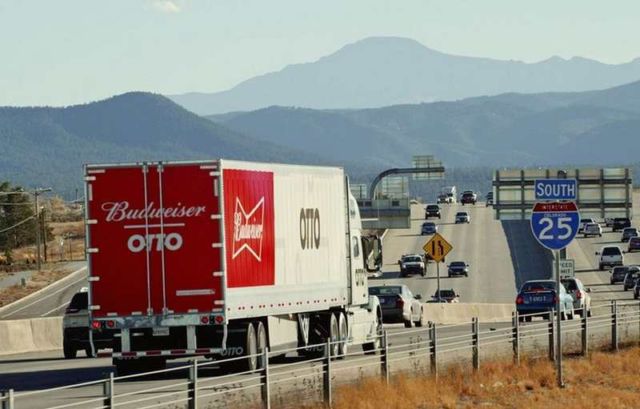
[383,71]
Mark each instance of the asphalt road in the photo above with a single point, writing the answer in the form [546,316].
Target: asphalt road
[501,255]
[53,299]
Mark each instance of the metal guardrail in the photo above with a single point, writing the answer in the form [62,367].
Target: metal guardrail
[407,350]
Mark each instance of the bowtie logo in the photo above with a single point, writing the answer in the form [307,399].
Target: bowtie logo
[247,229]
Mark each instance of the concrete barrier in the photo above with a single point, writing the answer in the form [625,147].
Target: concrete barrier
[31,335]
[461,313]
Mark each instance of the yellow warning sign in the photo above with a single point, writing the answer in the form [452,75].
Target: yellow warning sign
[437,248]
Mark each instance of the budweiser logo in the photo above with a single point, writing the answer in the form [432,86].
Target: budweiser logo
[120,211]
[247,229]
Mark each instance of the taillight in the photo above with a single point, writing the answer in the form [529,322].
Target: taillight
[204,320]
[555,299]
[219,319]
[95,325]
[520,300]
[578,294]
[111,323]
[399,303]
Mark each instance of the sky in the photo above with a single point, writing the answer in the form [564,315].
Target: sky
[66,52]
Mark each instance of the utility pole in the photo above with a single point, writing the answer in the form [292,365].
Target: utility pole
[36,193]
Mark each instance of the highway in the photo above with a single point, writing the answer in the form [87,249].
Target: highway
[52,300]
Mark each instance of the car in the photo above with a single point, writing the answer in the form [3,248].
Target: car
[634,244]
[412,264]
[463,217]
[630,279]
[619,273]
[584,222]
[628,233]
[428,228]
[432,210]
[443,198]
[489,199]
[448,295]
[458,268]
[608,221]
[592,229]
[468,197]
[399,305]
[609,256]
[75,328]
[619,223]
[580,295]
[539,297]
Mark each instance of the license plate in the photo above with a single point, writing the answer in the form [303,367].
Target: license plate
[160,331]
[537,299]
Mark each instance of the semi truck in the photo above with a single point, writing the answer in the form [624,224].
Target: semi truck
[225,258]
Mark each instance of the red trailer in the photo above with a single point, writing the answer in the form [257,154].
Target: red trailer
[224,258]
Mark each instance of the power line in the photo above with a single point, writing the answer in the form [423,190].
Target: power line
[17,224]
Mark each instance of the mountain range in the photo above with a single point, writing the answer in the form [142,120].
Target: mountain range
[383,71]
[595,127]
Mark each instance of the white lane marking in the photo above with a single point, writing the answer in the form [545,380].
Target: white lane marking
[47,296]
[59,307]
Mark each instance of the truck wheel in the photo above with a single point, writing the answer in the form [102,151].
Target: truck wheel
[343,335]
[69,350]
[408,323]
[420,322]
[250,346]
[261,337]
[334,335]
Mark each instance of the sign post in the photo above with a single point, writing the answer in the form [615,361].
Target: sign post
[554,225]
[437,248]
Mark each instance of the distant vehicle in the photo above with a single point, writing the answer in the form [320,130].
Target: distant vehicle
[489,199]
[428,228]
[609,256]
[75,328]
[443,199]
[580,295]
[449,296]
[630,279]
[449,194]
[463,217]
[539,297]
[412,264]
[608,221]
[634,244]
[620,223]
[619,273]
[458,268]
[584,222]
[592,229]
[468,197]
[628,233]
[399,304]
[432,210]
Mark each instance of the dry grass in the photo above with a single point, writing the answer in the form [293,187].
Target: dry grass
[604,380]
[38,280]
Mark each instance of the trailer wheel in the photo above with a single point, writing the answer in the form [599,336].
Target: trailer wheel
[261,340]
[334,335]
[250,346]
[343,333]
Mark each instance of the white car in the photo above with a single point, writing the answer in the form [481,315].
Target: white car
[412,264]
[609,256]
[583,223]
[580,295]
[592,229]
[463,217]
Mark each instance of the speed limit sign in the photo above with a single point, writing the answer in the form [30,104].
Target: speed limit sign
[555,224]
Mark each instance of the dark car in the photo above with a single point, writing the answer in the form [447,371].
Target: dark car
[634,244]
[75,324]
[458,268]
[432,210]
[468,198]
[398,304]
[448,295]
[630,279]
[628,233]
[620,223]
[428,228]
[539,297]
[620,272]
